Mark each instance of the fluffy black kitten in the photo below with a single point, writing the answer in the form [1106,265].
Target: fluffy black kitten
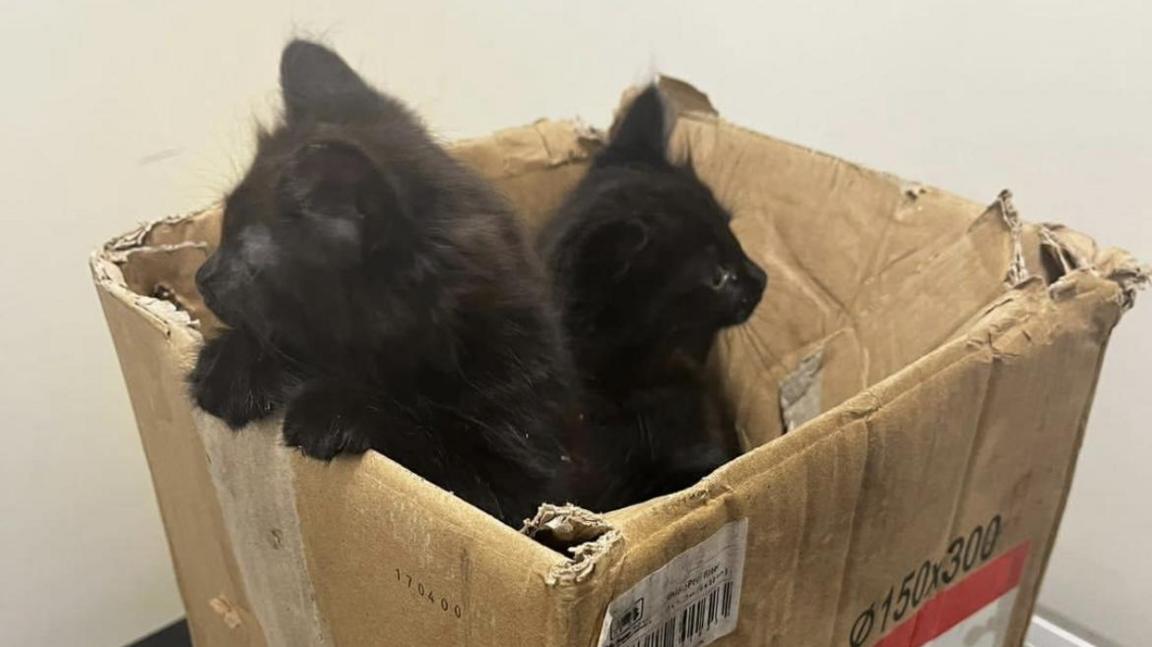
[387,298]
[648,272]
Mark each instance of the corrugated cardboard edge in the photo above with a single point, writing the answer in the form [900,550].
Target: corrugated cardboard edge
[249,472]
[1023,614]
[106,273]
[1076,264]
[214,593]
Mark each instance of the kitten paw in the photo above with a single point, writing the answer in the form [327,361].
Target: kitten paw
[321,425]
[231,401]
[235,381]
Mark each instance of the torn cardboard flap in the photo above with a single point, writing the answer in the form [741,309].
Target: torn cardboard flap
[1017,267]
[566,524]
[170,230]
[800,391]
[1060,251]
[1076,251]
[587,536]
[201,226]
[517,151]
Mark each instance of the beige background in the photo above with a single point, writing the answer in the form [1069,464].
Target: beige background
[114,113]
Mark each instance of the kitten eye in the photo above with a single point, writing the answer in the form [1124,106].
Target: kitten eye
[721,277]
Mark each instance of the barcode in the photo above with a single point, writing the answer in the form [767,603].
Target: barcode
[700,615]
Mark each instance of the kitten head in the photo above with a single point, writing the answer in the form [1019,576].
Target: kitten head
[652,250]
[325,214]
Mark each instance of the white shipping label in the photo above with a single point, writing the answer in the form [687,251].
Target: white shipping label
[689,602]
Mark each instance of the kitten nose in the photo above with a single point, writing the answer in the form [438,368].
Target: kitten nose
[205,273]
[756,276]
[753,280]
[206,280]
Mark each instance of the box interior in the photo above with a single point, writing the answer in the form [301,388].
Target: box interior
[867,272]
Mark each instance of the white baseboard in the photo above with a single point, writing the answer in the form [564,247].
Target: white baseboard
[1043,633]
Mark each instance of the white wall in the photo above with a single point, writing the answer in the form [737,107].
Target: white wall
[115,112]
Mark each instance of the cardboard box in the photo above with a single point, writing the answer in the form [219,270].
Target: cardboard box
[932,359]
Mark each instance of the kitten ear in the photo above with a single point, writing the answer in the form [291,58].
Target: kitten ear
[614,246]
[315,82]
[641,133]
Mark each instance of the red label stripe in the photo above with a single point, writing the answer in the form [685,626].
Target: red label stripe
[950,607]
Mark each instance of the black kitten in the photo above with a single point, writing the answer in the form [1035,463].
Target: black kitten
[648,272]
[387,298]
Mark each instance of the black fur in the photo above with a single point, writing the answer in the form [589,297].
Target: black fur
[648,272]
[387,298]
